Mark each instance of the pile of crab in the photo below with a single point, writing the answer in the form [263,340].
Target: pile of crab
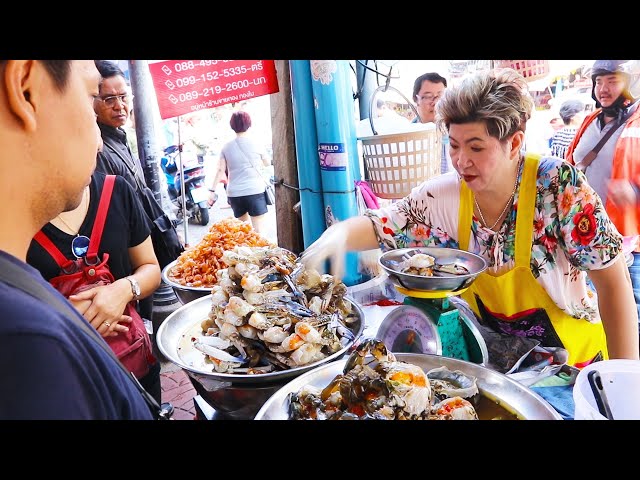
[269,312]
[387,389]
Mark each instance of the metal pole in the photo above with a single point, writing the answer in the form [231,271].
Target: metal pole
[185,216]
[306,139]
[145,128]
[366,83]
[337,147]
[145,98]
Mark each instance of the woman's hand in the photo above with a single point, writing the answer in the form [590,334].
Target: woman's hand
[111,330]
[352,235]
[103,307]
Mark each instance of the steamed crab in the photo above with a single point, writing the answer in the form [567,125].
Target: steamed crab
[387,389]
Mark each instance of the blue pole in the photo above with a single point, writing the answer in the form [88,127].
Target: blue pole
[306,139]
[337,146]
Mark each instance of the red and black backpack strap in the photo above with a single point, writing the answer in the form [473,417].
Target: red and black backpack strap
[96,232]
[63,262]
[98,224]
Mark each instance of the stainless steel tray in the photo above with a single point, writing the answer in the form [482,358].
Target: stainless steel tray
[173,339]
[515,397]
[391,260]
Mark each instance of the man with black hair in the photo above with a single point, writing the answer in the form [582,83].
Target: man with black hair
[427,90]
[53,368]
[113,107]
[613,169]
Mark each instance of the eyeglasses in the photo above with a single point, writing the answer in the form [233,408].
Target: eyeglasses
[80,246]
[111,100]
[429,97]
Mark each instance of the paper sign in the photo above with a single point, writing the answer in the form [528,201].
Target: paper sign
[186,86]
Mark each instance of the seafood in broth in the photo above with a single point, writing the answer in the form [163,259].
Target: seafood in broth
[271,313]
[387,389]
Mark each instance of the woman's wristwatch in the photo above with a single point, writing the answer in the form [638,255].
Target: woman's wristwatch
[135,287]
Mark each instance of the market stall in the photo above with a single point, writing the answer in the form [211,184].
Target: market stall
[432,326]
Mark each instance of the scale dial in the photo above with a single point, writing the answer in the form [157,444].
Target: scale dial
[411,330]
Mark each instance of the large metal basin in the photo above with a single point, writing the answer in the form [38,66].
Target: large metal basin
[391,260]
[515,397]
[185,294]
[237,396]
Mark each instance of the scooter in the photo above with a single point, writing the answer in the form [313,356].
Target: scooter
[197,194]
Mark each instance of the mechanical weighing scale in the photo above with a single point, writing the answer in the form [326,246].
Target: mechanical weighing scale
[432,321]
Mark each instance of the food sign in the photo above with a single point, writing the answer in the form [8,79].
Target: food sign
[186,86]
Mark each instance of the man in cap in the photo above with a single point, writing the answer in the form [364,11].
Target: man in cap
[614,172]
[572,114]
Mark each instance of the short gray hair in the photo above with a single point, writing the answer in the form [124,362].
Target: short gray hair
[499,98]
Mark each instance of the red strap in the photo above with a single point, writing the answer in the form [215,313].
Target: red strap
[50,247]
[103,207]
[96,233]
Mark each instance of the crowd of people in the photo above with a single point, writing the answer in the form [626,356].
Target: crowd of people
[564,227]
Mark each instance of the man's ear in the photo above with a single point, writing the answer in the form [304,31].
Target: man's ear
[22,79]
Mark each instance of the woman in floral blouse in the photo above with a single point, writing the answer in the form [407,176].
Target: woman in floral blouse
[540,226]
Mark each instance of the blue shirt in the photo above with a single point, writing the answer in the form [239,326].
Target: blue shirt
[51,369]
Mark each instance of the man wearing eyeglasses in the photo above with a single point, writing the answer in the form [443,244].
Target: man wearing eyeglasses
[113,107]
[427,90]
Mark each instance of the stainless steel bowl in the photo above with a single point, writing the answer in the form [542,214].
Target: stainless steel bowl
[515,397]
[390,261]
[237,396]
[185,294]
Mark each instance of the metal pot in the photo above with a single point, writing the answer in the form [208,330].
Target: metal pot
[185,294]
[237,396]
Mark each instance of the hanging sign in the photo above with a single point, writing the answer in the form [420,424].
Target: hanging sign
[186,86]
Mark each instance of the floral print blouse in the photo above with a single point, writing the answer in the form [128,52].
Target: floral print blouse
[571,231]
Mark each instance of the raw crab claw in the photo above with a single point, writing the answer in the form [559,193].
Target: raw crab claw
[370,345]
[217,353]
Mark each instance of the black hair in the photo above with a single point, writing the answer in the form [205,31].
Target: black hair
[108,69]
[59,71]
[432,77]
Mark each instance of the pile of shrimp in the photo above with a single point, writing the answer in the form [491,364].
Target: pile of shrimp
[197,266]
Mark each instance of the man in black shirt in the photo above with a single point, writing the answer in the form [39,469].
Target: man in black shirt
[113,107]
[53,369]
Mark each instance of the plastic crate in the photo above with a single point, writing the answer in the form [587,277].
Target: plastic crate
[529,69]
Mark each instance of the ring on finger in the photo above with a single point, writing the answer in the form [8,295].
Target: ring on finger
[107,324]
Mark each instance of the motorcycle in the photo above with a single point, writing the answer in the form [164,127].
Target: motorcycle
[197,194]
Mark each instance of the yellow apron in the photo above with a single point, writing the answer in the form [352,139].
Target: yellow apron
[514,302]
